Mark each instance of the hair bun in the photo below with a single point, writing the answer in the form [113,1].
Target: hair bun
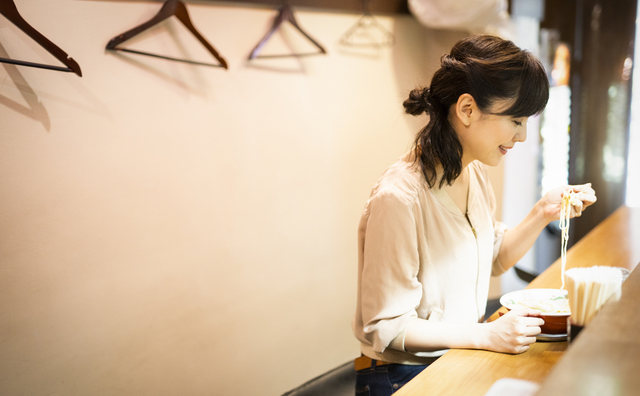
[418,102]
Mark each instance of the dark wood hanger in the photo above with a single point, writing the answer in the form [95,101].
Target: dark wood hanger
[284,14]
[8,10]
[367,25]
[169,8]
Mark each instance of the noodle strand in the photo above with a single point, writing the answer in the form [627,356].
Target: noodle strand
[565,214]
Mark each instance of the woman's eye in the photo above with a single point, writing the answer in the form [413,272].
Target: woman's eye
[518,123]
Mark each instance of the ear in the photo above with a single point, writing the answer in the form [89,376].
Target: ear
[466,108]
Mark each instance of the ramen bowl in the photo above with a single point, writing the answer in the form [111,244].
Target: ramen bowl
[552,303]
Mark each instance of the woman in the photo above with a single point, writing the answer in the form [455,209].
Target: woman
[428,239]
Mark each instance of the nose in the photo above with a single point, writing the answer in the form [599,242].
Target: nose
[521,135]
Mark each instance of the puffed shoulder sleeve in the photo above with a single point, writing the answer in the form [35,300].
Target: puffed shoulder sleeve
[390,290]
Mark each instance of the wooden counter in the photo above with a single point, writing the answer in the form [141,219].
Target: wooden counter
[605,360]
[614,242]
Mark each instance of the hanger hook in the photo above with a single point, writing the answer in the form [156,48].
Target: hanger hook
[365,7]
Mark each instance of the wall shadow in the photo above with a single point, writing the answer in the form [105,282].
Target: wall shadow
[34,109]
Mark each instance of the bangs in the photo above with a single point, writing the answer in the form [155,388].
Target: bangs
[532,93]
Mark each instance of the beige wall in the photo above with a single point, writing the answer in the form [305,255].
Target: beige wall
[170,229]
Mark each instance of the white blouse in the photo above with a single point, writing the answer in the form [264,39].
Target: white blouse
[420,256]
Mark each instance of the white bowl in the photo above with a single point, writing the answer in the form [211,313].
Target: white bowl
[554,322]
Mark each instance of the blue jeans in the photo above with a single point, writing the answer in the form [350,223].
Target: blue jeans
[385,380]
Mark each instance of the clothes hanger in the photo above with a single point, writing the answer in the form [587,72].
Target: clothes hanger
[284,14]
[367,27]
[8,10]
[169,8]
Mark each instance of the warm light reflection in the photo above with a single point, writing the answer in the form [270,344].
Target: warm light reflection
[626,70]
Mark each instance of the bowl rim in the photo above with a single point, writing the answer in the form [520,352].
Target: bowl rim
[537,290]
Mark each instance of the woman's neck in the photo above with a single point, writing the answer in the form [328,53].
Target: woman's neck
[458,191]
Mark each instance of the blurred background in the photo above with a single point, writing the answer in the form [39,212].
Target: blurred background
[172,228]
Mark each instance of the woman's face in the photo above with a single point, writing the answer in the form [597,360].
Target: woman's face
[488,137]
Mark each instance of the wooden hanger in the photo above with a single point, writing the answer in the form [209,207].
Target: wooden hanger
[284,14]
[367,27]
[169,8]
[8,10]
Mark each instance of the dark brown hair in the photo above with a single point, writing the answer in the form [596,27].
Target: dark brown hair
[488,68]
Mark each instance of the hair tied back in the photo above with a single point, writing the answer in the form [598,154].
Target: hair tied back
[449,62]
[419,101]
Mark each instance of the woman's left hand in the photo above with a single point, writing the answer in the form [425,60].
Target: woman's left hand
[552,201]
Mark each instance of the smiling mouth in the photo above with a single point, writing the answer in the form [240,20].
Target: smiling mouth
[503,149]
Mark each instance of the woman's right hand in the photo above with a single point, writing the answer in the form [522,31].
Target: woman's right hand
[514,332]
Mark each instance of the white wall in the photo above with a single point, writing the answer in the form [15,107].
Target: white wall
[170,229]
[632,197]
[521,167]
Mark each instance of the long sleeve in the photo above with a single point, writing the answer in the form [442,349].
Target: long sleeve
[420,256]
[390,288]
[499,229]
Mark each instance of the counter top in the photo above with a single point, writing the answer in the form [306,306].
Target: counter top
[605,360]
[614,242]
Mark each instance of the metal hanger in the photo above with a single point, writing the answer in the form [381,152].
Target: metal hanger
[8,10]
[284,14]
[367,32]
[169,8]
